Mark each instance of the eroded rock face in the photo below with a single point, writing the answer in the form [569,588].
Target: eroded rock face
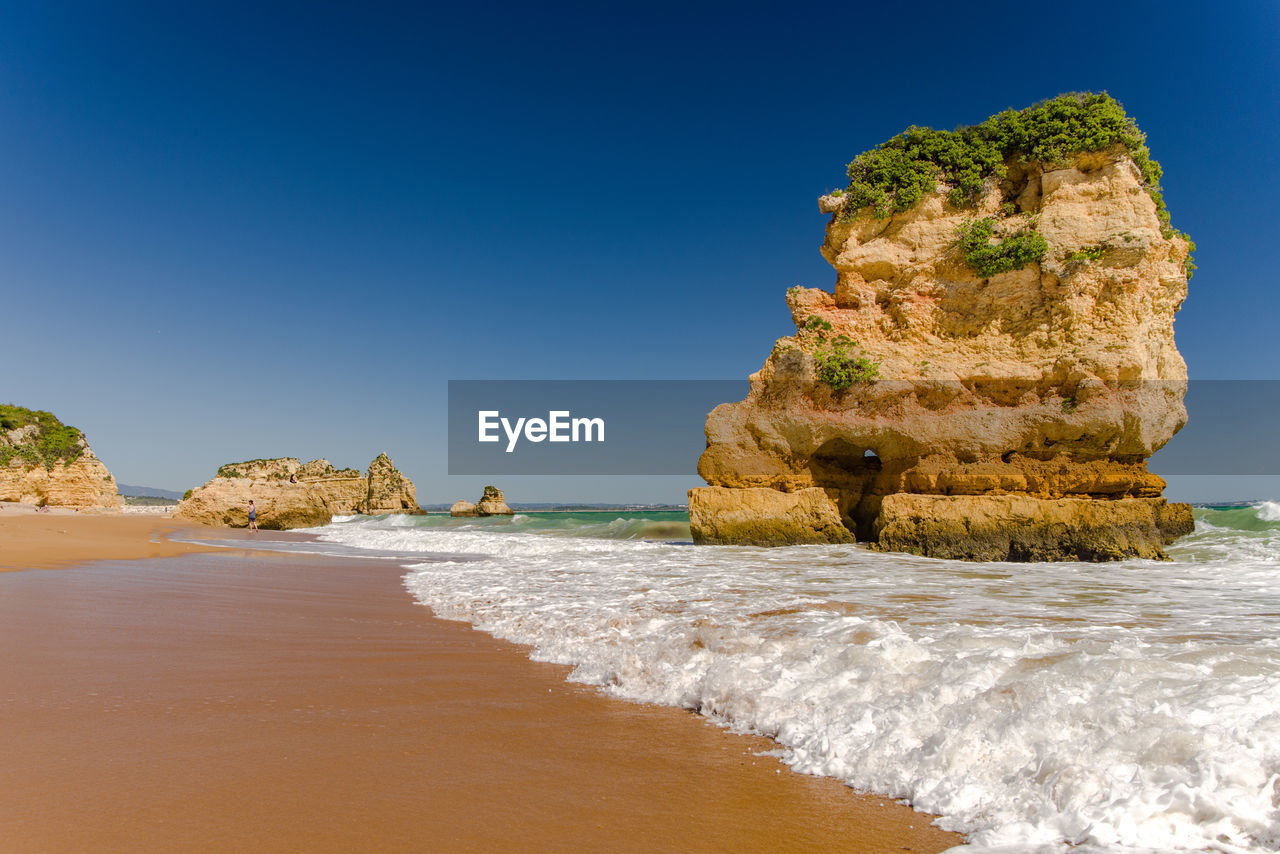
[1021,528]
[73,477]
[1052,383]
[224,503]
[389,490]
[493,503]
[766,517]
[84,482]
[463,508]
[290,494]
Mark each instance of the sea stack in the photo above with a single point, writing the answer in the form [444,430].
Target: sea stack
[491,503]
[46,462]
[994,366]
[389,490]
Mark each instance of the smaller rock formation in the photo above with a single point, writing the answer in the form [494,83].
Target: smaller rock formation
[463,508]
[290,494]
[492,503]
[46,462]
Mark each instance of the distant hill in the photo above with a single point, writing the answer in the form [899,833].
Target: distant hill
[130,491]
[149,501]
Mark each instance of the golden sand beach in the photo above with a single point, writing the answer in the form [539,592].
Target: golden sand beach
[182,698]
[50,540]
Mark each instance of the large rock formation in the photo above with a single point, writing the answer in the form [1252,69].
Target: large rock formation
[961,398]
[290,494]
[43,461]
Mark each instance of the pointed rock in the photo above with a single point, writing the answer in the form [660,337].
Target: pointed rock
[389,490]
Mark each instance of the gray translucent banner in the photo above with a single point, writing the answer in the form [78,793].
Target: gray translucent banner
[1232,429]
[655,427]
[618,427]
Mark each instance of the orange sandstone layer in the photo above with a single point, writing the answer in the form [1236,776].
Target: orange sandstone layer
[267,702]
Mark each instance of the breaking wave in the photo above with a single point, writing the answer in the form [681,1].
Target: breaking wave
[1034,707]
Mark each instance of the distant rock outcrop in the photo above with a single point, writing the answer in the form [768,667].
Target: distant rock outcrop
[492,503]
[463,509]
[43,461]
[994,367]
[290,494]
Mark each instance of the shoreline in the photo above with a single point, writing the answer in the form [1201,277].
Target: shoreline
[57,540]
[220,699]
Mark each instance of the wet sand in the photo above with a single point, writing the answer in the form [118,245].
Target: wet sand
[260,702]
[48,540]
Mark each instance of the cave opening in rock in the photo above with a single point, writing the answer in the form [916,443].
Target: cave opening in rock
[848,472]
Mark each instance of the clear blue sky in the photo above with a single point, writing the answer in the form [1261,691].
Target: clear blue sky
[240,230]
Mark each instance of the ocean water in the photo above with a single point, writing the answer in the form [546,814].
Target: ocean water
[1130,706]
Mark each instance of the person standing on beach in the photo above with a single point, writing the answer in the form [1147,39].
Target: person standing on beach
[253,516]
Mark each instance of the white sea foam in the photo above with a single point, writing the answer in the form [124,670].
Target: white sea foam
[1122,707]
[1269,511]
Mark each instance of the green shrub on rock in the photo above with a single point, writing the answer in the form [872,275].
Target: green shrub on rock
[53,442]
[893,176]
[840,367]
[1088,253]
[837,363]
[985,258]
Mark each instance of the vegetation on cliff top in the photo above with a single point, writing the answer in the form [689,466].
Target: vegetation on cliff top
[51,443]
[234,469]
[252,468]
[893,176]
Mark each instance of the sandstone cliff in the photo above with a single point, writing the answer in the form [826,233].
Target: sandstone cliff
[291,494]
[990,373]
[389,490]
[43,461]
